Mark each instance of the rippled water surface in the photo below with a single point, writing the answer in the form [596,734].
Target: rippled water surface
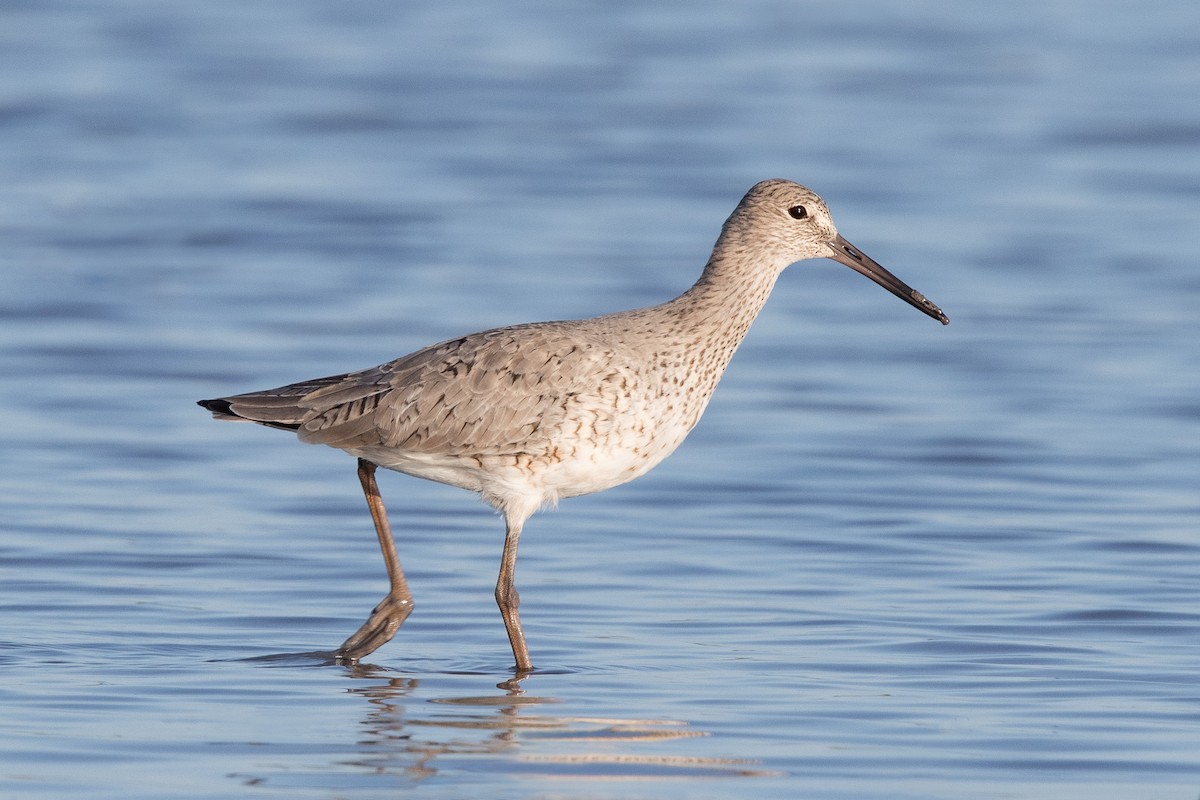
[894,561]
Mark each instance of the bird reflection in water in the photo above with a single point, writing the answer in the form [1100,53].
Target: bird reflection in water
[408,736]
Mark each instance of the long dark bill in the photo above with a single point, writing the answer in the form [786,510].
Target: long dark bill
[857,260]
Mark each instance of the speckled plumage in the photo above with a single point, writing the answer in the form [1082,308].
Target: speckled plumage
[529,414]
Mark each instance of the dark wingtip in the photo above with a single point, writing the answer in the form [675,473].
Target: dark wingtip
[222,408]
[218,406]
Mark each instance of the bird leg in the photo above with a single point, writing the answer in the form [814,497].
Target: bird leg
[508,599]
[386,617]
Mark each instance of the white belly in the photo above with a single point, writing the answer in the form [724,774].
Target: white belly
[578,466]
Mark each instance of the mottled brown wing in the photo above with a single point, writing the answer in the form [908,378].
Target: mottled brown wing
[502,391]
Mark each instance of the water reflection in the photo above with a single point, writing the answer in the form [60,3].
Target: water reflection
[513,732]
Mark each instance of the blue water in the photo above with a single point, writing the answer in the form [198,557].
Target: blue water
[894,561]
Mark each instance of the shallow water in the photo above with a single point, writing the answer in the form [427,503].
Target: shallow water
[895,560]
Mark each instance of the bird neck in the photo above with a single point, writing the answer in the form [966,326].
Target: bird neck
[727,298]
[705,325]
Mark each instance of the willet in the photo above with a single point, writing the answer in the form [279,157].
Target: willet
[529,414]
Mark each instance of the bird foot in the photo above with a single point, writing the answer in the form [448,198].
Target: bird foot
[377,631]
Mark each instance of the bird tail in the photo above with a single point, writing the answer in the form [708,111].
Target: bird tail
[276,408]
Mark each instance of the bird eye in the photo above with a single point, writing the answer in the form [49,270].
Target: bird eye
[798,212]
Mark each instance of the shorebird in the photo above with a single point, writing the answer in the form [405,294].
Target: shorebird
[528,414]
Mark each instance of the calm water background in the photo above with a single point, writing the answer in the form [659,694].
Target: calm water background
[894,561]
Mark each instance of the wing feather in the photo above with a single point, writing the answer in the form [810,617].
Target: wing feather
[504,391]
